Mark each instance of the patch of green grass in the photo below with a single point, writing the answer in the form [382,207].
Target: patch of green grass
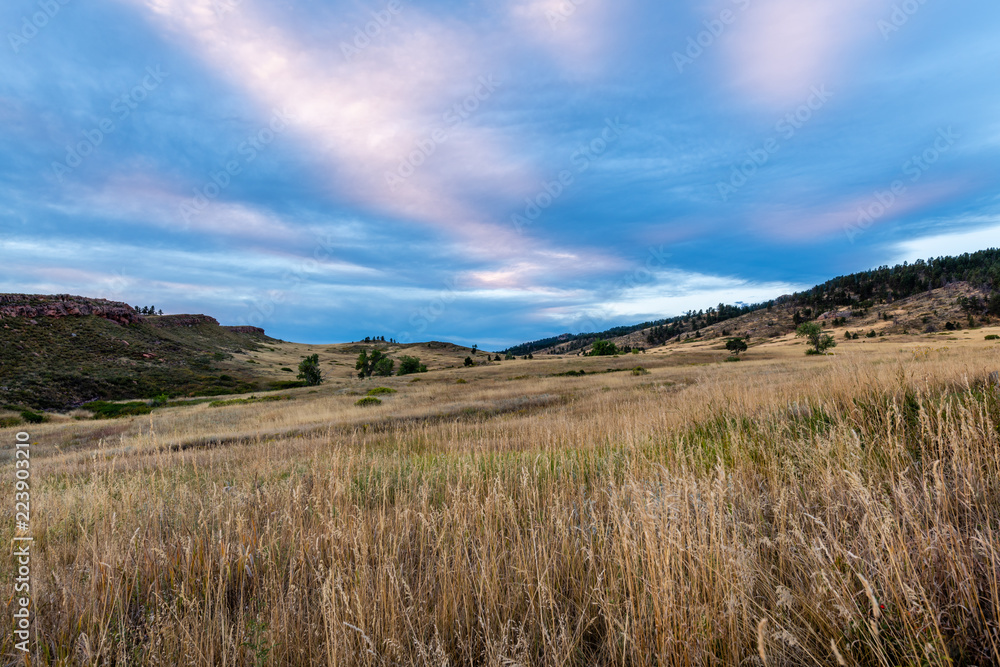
[6,422]
[287,384]
[375,391]
[461,381]
[368,400]
[250,399]
[106,410]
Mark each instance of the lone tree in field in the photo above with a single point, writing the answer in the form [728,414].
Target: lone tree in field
[736,345]
[469,361]
[813,333]
[309,371]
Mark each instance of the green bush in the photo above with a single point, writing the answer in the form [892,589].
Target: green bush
[603,348]
[286,368]
[375,391]
[368,400]
[469,362]
[376,363]
[639,370]
[32,417]
[993,337]
[159,401]
[408,365]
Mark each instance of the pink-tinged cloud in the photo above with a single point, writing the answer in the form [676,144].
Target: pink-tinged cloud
[576,34]
[384,122]
[856,215]
[777,49]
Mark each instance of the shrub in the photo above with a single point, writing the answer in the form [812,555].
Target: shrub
[368,400]
[375,391]
[993,337]
[603,348]
[383,368]
[159,401]
[309,371]
[469,362]
[408,365]
[639,370]
[460,381]
[32,417]
[286,368]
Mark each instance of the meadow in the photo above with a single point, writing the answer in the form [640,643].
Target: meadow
[660,509]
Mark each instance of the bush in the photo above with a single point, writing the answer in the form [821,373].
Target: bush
[309,371]
[460,381]
[375,391]
[469,362]
[603,348]
[368,400]
[159,401]
[383,368]
[32,417]
[993,337]
[286,368]
[408,365]
[639,370]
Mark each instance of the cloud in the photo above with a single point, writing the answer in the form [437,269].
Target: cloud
[779,48]
[367,116]
[949,243]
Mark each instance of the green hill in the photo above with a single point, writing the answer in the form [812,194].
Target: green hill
[62,361]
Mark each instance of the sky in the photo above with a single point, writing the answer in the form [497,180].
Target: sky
[487,172]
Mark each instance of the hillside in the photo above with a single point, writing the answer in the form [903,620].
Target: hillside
[60,351]
[924,296]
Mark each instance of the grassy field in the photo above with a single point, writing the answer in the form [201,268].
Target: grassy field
[783,510]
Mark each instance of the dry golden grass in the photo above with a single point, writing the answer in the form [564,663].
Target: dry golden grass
[785,510]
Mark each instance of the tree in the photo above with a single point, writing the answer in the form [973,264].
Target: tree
[469,361]
[813,333]
[736,345]
[508,356]
[603,348]
[496,358]
[408,365]
[309,371]
[375,363]
[383,367]
[475,348]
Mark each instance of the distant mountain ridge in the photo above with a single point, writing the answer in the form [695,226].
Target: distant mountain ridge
[860,292]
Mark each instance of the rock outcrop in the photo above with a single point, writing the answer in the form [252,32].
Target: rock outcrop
[245,329]
[65,305]
[170,321]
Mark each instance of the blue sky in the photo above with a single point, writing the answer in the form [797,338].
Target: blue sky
[486,172]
